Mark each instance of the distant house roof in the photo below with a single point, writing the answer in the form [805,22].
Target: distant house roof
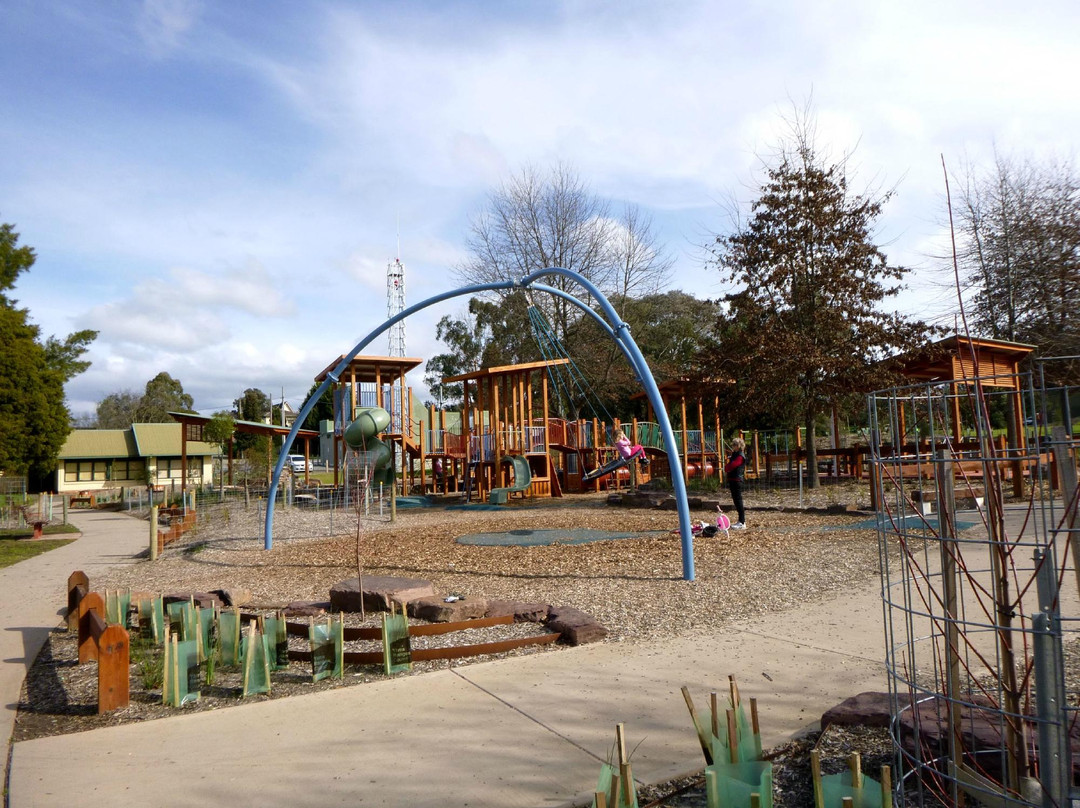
[163,440]
[139,440]
[91,443]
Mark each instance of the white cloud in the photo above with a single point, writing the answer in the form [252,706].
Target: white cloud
[162,24]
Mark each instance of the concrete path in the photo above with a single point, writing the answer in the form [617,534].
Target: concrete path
[33,595]
[529,731]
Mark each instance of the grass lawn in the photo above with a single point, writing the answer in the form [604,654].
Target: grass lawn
[15,544]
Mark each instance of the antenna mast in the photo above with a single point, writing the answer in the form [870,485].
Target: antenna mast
[395,304]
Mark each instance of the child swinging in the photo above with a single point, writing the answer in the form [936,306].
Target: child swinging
[627,453]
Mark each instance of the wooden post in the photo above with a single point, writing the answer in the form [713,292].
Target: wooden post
[625,786]
[114,685]
[702,735]
[78,585]
[682,453]
[855,767]
[819,787]
[153,532]
[701,431]
[733,736]
[714,714]
[88,650]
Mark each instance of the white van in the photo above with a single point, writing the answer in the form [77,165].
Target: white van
[298,464]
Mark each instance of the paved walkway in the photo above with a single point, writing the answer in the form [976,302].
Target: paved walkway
[33,595]
[528,731]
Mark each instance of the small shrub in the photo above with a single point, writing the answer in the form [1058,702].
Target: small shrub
[149,663]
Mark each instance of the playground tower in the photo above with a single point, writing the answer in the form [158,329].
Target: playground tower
[395,304]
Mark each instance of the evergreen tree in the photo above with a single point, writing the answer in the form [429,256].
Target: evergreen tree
[163,395]
[805,329]
[34,419]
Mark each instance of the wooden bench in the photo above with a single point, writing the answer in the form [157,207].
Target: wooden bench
[110,647]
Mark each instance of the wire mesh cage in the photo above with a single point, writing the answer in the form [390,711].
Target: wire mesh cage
[974,481]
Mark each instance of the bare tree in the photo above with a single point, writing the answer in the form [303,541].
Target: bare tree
[640,268]
[1019,248]
[541,219]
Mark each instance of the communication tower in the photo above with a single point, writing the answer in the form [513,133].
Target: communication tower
[395,304]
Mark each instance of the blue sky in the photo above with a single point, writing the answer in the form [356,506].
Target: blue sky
[218,187]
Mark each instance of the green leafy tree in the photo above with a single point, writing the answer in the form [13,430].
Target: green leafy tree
[34,420]
[805,329]
[253,405]
[490,335]
[117,410]
[163,395]
[219,429]
[670,328]
[323,409]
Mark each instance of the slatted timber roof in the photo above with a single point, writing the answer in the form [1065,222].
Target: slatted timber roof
[369,369]
[505,370]
[958,358]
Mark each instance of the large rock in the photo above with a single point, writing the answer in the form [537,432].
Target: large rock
[233,597]
[306,608]
[868,709]
[522,612]
[576,627]
[437,610]
[379,592]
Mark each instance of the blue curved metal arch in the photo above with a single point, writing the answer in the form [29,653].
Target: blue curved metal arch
[618,330]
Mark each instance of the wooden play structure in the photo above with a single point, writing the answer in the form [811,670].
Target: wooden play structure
[507,444]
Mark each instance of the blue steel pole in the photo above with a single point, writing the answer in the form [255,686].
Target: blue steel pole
[335,374]
[622,334]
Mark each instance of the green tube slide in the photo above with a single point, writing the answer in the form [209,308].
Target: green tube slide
[360,434]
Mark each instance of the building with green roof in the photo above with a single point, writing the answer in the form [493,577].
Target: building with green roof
[143,454]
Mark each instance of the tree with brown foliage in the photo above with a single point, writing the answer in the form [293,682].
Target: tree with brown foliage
[805,329]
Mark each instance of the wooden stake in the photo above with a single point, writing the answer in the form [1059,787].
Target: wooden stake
[624,764]
[600,799]
[176,670]
[697,726]
[166,678]
[847,802]
[855,765]
[733,736]
[815,770]
[614,793]
[734,688]
[886,787]
[715,715]
[755,800]
[755,728]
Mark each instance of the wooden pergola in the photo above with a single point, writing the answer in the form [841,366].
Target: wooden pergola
[191,428]
[959,361]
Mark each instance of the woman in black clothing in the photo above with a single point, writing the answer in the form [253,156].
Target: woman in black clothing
[736,472]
